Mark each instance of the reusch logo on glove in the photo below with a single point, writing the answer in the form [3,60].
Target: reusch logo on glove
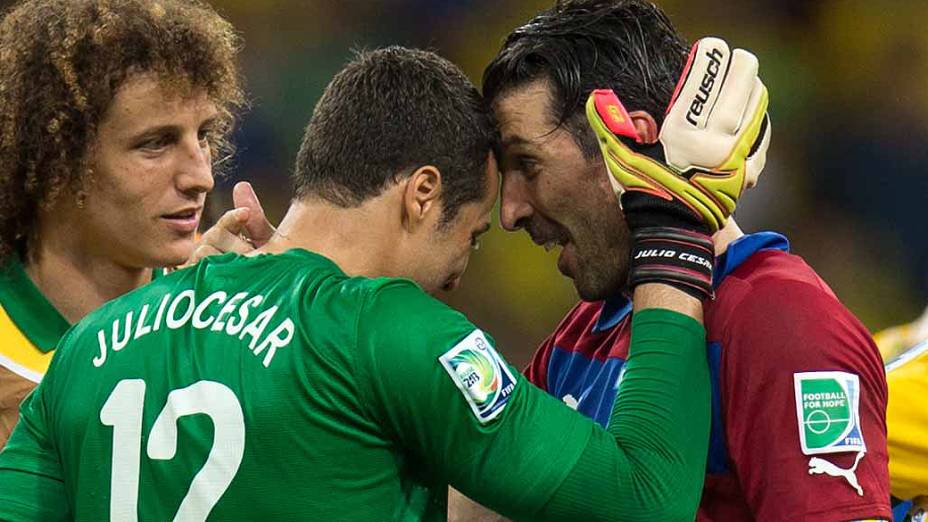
[705,88]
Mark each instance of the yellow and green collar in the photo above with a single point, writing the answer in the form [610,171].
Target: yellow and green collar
[28,308]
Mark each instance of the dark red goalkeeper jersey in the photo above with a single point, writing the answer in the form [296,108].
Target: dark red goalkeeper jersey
[799,392]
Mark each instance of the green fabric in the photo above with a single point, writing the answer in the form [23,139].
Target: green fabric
[39,321]
[354,417]
[513,463]
[31,487]
[654,453]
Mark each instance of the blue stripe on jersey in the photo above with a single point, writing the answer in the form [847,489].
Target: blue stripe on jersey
[589,383]
[614,310]
[741,249]
[717,463]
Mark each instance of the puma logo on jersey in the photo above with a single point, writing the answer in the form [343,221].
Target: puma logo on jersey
[819,466]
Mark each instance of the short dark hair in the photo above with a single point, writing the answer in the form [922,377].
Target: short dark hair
[629,46]
[388,112]
[61,64]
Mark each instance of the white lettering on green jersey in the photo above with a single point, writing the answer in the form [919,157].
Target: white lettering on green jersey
[184,309]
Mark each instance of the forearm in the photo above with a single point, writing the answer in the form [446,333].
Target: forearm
[650,464]
[656,295]
[30,497]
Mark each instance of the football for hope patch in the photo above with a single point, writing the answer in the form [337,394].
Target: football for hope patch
[828,410]
[481,375]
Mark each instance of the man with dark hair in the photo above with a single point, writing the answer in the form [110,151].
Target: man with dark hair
[799,396]
[462,126]
[303,362]
[114,116]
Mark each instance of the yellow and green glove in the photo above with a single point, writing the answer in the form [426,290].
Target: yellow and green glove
[681,189]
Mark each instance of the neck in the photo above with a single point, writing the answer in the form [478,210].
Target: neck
[724,237]
[75,281]
[359,240]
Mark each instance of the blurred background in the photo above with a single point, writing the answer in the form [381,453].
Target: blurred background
[845,178]
[845,175]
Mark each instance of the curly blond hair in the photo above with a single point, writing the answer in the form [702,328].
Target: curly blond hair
[61,64]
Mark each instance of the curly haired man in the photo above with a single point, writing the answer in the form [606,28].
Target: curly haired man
[115,114]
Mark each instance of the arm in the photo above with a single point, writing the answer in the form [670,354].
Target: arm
[535,458]
[788,339]
[31,483]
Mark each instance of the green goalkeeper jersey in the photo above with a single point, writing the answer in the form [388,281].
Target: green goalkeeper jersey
[277,386]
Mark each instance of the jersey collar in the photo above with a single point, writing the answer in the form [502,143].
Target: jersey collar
[613,311]
[617,308]
[744,247]
[35,317]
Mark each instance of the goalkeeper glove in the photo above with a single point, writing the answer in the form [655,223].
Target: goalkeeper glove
[679,190]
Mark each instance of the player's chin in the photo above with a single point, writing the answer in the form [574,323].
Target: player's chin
[173,252]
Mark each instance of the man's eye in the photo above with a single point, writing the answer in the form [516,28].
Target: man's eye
[155,143]
[527,164]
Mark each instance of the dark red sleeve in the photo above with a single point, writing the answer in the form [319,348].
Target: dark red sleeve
[779,328]
[537,370]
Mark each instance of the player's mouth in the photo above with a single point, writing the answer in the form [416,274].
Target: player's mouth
[184,221]
[547,234]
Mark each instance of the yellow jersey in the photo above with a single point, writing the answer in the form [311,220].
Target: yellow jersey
[905,351]
[29,331]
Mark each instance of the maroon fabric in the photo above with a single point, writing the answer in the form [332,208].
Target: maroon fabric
[773,317]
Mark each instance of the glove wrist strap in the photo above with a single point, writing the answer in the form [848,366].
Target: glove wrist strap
[676,257]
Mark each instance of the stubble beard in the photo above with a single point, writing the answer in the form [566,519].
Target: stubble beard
[603,259]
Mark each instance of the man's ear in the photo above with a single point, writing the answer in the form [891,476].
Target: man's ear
[421,196]
[645,125]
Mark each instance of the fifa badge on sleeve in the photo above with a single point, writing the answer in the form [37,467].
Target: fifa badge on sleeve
[480,374]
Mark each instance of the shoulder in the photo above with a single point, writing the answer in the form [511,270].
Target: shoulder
[776,305]
[396,305]
[772,285]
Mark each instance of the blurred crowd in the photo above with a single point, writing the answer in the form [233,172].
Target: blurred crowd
[844,180]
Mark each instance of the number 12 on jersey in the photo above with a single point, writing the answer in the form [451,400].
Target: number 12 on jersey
[123,411]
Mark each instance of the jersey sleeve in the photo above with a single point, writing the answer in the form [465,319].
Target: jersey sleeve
[907,420]
[31,483]
[440,389]
[803,394]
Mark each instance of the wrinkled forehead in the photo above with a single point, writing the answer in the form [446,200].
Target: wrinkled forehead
[527,122]
[524,111]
